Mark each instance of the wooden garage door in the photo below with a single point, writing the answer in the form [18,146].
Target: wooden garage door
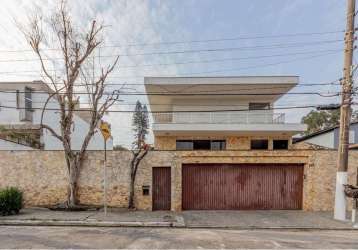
[249,186]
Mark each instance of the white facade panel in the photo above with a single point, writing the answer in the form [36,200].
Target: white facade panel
[51,118]
[8,145]
[323,140]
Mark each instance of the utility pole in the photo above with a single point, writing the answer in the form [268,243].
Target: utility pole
[343,148]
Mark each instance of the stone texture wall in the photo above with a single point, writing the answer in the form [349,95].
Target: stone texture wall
[232,142]
[42,174]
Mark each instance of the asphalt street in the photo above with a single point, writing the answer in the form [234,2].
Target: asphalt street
[164,238]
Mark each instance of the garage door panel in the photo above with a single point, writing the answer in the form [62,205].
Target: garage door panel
[259,186]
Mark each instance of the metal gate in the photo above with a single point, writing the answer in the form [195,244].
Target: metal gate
[161,188]
[242,186]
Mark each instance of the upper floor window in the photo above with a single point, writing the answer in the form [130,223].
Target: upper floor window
[184,145]
[280,144]
[200,144]
[26,112]
[28,99]
[17,99]
[259,105]
[259,144]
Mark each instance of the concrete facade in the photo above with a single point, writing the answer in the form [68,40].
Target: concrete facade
[13,97]
[41,175]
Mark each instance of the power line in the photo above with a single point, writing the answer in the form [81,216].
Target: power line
[172,112]
[229,39]
[155,104]
[257,47]
[193,41]
[214,71]
[182,94]
[196,61]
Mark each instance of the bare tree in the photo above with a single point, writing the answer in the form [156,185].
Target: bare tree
[76,51]
[140,148]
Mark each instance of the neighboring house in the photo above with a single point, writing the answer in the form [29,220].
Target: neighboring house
[184,128]
[11,145]
[232,151]
[329,138]
[21,106]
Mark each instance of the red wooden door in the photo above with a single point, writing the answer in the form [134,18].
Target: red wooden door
[161,188]
[242,186]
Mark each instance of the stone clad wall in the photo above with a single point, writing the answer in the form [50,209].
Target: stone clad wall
[232,142]
[41,175]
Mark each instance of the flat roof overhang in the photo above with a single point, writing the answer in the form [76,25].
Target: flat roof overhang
[268,88]
[227,129]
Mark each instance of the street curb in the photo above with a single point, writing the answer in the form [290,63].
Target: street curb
[178,224]
[83,223]
[272,228]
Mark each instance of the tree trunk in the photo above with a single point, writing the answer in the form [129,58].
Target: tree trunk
[137,158]
[72,184]
[131,193]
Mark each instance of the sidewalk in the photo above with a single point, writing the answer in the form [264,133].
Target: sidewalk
[190,219]
[264,219]
[114,218]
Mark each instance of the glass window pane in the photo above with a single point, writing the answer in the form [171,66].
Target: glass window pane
[259,105]
[280,144]
[218,145]
[201,145]
[184,145]
[259,144]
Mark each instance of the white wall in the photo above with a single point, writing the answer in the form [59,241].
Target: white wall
[51,118]
[8,145]
[209,104]
[324,140]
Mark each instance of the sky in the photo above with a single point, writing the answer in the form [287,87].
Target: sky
[272,27]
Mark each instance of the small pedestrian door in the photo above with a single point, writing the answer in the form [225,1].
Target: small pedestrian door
[161,188]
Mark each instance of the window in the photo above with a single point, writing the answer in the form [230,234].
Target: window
[28,99]
[259,144]
[218,145]
[280,144]
[200,144]
[351,136]
[259,105]
[184,145]
[26,111]
[17,99]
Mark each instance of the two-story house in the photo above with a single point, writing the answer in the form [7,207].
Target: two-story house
[21,105]
[220,113]
[233,151]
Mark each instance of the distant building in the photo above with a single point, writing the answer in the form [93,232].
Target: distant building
[329,137]
[21,106]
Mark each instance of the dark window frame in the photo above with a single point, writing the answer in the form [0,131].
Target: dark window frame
[17,99]
[259,106]
[255,144]
[276,145]
[195,145]
[28,99]
[184,141]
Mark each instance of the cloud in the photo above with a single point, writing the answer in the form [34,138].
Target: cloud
[126,22]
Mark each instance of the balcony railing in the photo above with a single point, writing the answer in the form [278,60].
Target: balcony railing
[220,117]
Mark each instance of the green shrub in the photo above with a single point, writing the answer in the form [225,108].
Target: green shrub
[10,201]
